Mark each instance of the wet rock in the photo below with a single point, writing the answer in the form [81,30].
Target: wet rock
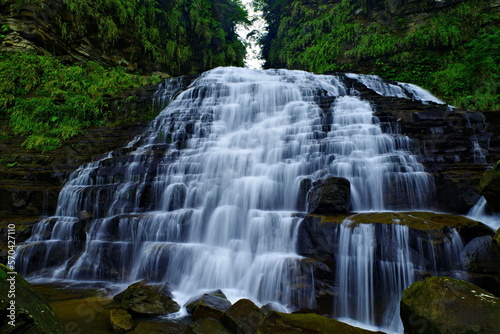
[332,195]
[209,305]
[147,299]
[121,321]
[149,327]
[490,187]
[283,323]
[446,305]
[243,317]
[208,326]
[31,314]
[478,256]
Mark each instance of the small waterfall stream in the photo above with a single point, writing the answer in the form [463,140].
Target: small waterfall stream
[207,198]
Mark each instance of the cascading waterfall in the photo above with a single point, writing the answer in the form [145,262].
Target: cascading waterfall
[207,197]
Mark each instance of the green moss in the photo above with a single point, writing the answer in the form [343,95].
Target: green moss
[423,221]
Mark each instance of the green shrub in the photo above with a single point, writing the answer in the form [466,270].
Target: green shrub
[49,102]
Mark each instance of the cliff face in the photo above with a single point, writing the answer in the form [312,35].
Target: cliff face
[448,47]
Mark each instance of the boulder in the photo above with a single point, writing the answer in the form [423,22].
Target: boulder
[209,305]
[150,327]
[243,317]
[208,326]
[284,323]
[489,187]
[478,256]
[332,195]
[29,313]
[445,305]
[147,299]
[121,321]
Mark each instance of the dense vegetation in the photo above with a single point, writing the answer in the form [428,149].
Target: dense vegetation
[451,48]
[48,99]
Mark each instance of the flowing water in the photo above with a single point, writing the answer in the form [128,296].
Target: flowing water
[207,198]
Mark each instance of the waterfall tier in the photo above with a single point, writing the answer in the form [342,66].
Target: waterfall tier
[208,197]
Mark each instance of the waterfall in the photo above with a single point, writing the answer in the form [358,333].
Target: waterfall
[396,255]
[207,198]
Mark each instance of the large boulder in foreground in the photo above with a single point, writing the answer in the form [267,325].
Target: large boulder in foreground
[147,299]
[489,187]
[443,305]
[211,305]
[284,323]
[32,314]
[332,195]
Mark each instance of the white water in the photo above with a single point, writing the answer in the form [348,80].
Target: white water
[480,212]
[205,199]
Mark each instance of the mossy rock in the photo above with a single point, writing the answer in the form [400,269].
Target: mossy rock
[32,314]
[121,321]
[150,327]
[208,326]
[243,317]
[147,299]
[284,323]
[418,220]
[489,187]
[209,305]
[444,305]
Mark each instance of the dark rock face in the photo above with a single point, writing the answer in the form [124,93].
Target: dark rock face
[332,195]
[32,314]
[147,299]
[490,187]
[446,305]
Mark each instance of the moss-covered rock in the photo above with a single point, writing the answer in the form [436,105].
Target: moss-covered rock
[208,306]
[490,187]
[121,321]
[208,326]
[243,317]
[442,305]
[283,323]
[149,327]
[147,299]
[22,310]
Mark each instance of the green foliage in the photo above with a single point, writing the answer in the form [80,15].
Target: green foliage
[49,102]
[452,51]
[178,36]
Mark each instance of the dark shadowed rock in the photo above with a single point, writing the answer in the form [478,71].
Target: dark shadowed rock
[147,299]
[490,187]
[149,327]
[331,196]
[445,305]
[209,305]
[208,326]
[243,317]
[283,323]
[478,256]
